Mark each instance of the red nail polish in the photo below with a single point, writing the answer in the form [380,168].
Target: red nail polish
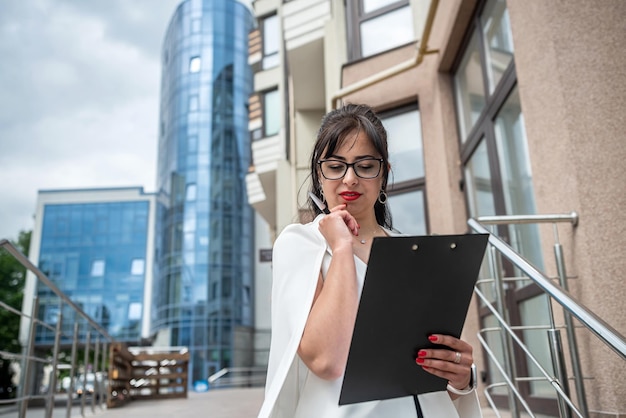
[421,353]
[432,338]
[424,367]
[419,360]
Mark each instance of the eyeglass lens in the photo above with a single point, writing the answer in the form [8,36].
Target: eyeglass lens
[367,168]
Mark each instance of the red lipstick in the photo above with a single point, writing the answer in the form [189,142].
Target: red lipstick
[350,196]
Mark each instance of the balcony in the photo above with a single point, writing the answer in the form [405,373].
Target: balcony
[304,25]
[261,182]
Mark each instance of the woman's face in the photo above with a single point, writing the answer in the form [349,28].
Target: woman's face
[359,194]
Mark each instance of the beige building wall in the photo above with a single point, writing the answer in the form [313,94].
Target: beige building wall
[570,64]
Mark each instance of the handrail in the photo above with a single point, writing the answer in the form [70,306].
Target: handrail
[571,217]
[24,261]
[553,381]
[27,392]
[242,376]
[611,337]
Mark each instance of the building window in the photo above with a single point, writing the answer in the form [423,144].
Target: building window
[497,174]
[470,88]
[196,25]
[375,26]
[406,181]
[137,266]
[271,41]
[498,41]
[271,113]
[191,192]
[193,103]
[134,311]
[97,268]
[194,64]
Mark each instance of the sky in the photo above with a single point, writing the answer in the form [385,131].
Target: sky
[79,98]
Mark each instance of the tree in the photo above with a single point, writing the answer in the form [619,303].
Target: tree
[12,278]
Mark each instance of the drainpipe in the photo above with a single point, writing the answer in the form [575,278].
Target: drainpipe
[396,69]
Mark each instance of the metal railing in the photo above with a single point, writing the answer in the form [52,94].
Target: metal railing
[84,334]
[230,377]
[558,293]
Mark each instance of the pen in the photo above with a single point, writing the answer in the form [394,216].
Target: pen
[319,203]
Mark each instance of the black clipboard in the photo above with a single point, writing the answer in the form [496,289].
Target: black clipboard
[414,286]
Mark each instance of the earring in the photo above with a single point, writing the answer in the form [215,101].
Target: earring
[322,195]
[382,197]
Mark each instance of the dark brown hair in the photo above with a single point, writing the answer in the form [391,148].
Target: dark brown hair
[336,127]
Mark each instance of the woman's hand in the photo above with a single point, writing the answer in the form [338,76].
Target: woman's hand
[338,227]
[327,334]
[452,362]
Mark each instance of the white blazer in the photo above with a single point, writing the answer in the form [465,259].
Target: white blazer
[297,260]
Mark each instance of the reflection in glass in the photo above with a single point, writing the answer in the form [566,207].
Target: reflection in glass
[534,311]
[404,133]
[271,42]
[494,341]
[478,180]
[194,64]
[271,114]
[408,213]
[470,89]
[386,31]
[371,5]
[497,31]
[515,170]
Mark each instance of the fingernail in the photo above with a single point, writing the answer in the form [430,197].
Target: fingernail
[419,360]
[432,338]
[424,367]
[421,353]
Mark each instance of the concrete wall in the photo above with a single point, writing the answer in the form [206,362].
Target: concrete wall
[570,64]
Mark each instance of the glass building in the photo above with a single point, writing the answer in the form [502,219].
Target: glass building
[95,246]
[204,273]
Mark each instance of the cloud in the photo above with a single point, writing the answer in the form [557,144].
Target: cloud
[79,107]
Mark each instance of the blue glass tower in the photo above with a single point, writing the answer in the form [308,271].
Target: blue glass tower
[203,278]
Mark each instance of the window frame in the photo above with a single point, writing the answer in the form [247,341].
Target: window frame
[356,16]
[414,184]
[262,30]
[264,112]
[483,131]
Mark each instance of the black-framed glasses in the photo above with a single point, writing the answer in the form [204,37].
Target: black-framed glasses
[367,168]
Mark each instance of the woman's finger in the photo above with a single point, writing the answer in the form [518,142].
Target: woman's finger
[347,217]
[456,357]
[454,343]
[457,375]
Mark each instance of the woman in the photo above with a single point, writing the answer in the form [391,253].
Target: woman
[318,272]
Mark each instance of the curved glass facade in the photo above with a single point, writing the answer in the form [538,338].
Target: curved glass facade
[203,278]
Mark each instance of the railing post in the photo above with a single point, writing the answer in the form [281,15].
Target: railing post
[25,377]
[507,344]
[105,375]
[96,385]
[570,331]
[70,393]
[55,360]
[558,363]
[86,362]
